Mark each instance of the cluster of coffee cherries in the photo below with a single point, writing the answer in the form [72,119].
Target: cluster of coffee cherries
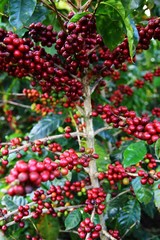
[23,211]
[78,187]
[115,234]
[129,122]
[149,161]
[149,76]
[21,57]
[87,227]
[152,30]
[156,111]
[139,83]
[44,103]
[118,95]
[148,177]
[95,199]
[76,44]
[157,72]
[53,201]
[29,237]
[117,173]
[70,159]
[46,201]
[4,150]
[78,48]
[121,52]
[32,94]
[26,176]
[43,34]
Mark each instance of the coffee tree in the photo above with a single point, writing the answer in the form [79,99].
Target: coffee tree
[80,114]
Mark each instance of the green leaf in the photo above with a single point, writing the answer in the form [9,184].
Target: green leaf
[39,14]
[20,11]
[126,4]
[46,126]
[143,193]
[48,227]
[103,159]
[156,81]
[13,204]
[156,194]
[78,16]
[112,20]
[134,153]
[132,34]
[157,148]
[73,219]
[7,201]
[135,4]
[149,209]
[109,24]
[129,216]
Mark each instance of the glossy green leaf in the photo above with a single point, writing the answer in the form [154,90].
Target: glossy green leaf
[2,5]
[103,159]
[126,4]
[46,126]
[78,16]
[48,227]
[39,15]
[112,20]
[13,203]
[129,216]
[157,194]
[7,201]
[134,153]
[143,193]
[156,81]
[135,4]
[109,24]
[73,219]
[20,11]
[157,148]
[149,209]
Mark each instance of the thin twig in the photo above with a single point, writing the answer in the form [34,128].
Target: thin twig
[58,15]
[45,139]
[108,235]
[79,4]
[120,194]
[90,51]
[86,5]
[14,94]
[96,84]
[50,7]
[132,226]
[72,75]
[16,104]
[43,211]
[68,231]
[132,174]
[72,5]
[96,7]
[102,129]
